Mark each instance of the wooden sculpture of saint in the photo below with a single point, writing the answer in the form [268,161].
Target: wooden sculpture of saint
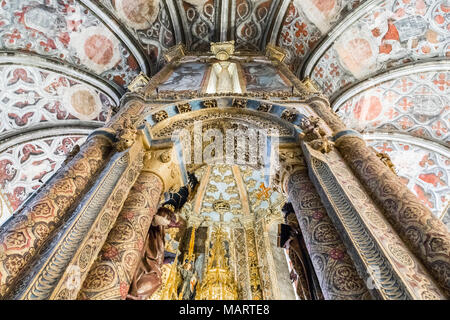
[290,238]
[147,278]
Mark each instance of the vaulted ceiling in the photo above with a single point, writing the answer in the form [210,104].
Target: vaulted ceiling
[384,65]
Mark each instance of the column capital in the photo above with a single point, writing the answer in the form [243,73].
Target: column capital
[164,162]
[289,159]
[321,106]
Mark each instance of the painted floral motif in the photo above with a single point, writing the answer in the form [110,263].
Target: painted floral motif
[425,172]
[395,32]
[418,104]
[306,21]
[24,168]
[65,30]
[30,95]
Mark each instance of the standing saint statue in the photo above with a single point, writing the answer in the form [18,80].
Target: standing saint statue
[189,280]
[147,278]
[308,287]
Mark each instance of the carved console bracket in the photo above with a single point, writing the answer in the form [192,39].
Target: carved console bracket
[164,158]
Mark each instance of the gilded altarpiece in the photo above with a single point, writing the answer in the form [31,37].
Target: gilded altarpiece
[232,199]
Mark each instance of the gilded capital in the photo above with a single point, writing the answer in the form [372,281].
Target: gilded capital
[164,163]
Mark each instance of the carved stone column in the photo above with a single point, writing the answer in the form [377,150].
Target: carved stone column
[23,235]
[426,235]
[334,268]
[112,273]
[392,271]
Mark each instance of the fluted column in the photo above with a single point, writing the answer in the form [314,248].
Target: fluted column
[426,235]
[334,268]
[122,250]
[23,234]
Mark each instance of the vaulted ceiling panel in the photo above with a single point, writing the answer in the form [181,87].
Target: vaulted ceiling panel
[67,32]
[30,96]
[390,34]
[417,103]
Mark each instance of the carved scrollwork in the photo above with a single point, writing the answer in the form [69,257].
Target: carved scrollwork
[160,116]
[184,107]
[290,160]
[71,154]
[264,107]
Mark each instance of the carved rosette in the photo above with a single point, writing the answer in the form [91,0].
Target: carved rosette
[289,160]
[164,164]
[322,107]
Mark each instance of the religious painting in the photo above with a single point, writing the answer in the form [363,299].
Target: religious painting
[189,76]
[263,77]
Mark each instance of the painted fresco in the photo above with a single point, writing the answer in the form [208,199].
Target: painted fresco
[252,18]
[418,104]
[30,95]
[188,76]
[24,168]
[263,77]
[199,16]
[66,31]
[149,22]
[395,32]
[306,21]
[425,172]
